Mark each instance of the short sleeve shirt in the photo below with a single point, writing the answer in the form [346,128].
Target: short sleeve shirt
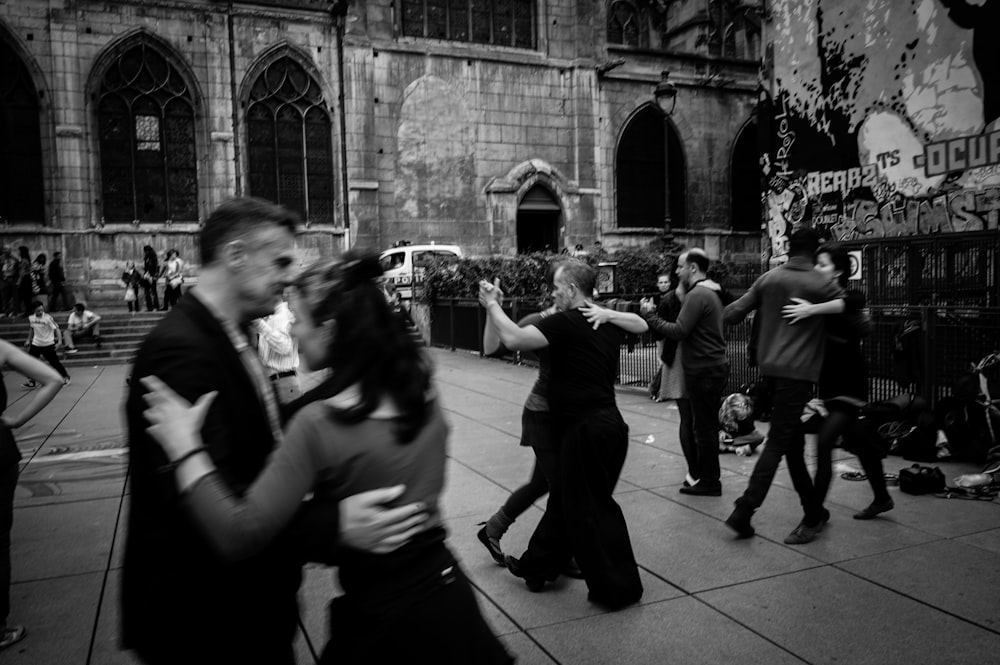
[80,321]
[584,363]
[44,328]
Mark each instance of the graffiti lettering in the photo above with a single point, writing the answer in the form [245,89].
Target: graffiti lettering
[966,152]
[886,159]
[824,182]
[786,137]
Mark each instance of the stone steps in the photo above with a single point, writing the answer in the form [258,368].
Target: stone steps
[121,335]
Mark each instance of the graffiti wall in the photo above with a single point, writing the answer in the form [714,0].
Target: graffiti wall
[884,119]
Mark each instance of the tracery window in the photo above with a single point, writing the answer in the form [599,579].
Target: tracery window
[628,24]
[146,132]
[498,22]
[21,183]
[289,138]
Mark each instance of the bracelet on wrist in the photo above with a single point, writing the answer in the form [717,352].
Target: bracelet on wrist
[168,468]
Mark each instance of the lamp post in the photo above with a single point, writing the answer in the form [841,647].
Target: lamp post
[665,94]
[338,10]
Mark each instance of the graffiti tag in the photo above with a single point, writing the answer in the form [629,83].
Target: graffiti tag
[966,152]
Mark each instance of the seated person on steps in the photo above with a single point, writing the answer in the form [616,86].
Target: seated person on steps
[82,323]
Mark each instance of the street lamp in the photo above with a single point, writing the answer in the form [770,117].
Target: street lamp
[666,98]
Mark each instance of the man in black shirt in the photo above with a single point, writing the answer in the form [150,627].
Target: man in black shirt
[591,439]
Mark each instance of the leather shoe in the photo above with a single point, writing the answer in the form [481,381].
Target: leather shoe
[492,546]
[802,534]
[875,509]
[739,522]
[534,583]
[702,490]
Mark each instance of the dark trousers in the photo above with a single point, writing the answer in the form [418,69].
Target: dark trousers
[57,291]
[171,294]
[49,353]
[8,297]
[8,483]
[685,433]
[843,422]
[704,388]
[582,519]
[152,299]
[785,439]
[25,297]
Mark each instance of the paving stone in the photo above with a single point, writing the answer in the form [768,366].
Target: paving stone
[87,525]
[828,616]
[683,630]
[955,577]
[987,540]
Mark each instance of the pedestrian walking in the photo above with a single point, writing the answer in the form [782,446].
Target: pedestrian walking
[43,338]
[790,358]
[279,351]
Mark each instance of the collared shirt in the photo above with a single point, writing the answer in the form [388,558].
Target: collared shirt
[238,338]
[278,350]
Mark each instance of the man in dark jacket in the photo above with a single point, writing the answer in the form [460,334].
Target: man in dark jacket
[706,368]
[790,358]
[180,603]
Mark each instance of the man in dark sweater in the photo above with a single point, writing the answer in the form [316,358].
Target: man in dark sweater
[706,368]
[790,358]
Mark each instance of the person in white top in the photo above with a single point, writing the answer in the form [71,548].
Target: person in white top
[82,323]
[279,351]
[42,336]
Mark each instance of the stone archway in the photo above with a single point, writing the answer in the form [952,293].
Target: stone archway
[538,221]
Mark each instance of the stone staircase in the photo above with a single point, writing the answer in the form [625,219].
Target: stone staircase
[121,335]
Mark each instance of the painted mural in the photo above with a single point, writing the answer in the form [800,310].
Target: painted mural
[885,118]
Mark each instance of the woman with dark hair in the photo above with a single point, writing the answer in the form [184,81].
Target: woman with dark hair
[375,421]
[150,274]
[843,381]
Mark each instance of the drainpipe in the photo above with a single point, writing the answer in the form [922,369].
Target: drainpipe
[235,102]
[339,11]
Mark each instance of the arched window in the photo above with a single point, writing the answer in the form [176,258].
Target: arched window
[146,130]
[628,23]
[21,189]
[639,174]
[745,181]
[289,139]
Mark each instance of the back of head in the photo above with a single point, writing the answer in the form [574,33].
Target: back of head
[237,217]
[803,242]
[371,345]
[578,272]
[697,256]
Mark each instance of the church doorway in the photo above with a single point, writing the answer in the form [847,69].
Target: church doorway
[538,221]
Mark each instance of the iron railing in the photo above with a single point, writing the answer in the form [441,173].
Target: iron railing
[928,361]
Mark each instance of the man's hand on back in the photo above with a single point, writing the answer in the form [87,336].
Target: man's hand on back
[366,524]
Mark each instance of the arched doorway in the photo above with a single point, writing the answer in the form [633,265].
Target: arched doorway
[538,219]
[639,172]
[21,195]
[744,171]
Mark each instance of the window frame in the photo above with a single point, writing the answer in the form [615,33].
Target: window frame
[402,30]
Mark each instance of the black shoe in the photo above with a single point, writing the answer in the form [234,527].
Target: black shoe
[802,534]
[739,521]
[874,510]
[534,583]
[571,569]
[493,546]
[613,605]
[702,489]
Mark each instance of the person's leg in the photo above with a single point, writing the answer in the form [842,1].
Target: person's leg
[830,431]
[591,464]
[786,427]
[8,483]
[685,432]
[705,391]
[49,353]
[68,339]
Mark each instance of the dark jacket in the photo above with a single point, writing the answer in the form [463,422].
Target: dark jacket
[56,274]
[179,600]
[787,351]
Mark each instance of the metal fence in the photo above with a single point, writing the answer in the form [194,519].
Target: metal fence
[942,344]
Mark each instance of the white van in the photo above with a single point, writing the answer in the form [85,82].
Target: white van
[401,265]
